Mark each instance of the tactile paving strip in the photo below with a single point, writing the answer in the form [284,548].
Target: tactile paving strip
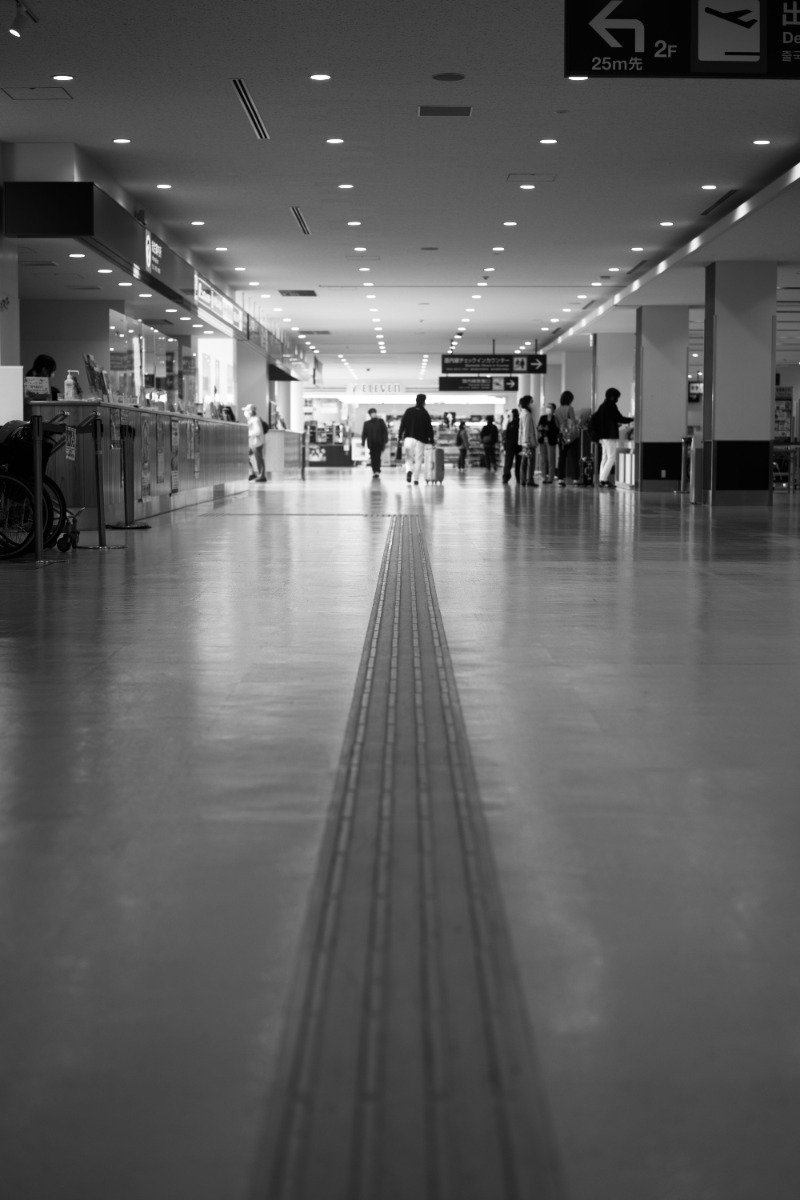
[408,1072]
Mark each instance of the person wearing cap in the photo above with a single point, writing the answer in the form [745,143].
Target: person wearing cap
[375,436]
[255,438]
[416,432]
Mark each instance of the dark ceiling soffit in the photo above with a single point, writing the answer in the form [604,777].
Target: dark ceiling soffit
[278,374]
[445,110]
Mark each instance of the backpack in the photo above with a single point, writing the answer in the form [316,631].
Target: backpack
[593,428]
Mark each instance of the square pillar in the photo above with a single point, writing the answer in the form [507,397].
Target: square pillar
[662,335]
[739,375]
[614,365]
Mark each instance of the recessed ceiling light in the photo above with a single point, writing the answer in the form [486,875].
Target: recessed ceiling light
[666,224]
[528,187]
[366,283]
[509,222]
[77,256]
[487,271]
[761,142]
[63,78]
[597,283]
[334,141]
[104,271]
[545,328]
[319,78]
[577,78]
[125,285]
[221,248]
[265,296]
[548,141]
[708,187]
[360,249]
[555,318]
[470,310]
[164,187]
[612,269]
[145,295]
[185,318]
[483,285]
[353,222]
[295,328]
[286,320]
[498,249]
[170,310]
[566,310]
[207,332]
[197,326]
[637,249]
[345,186]
[583,297]
[122,141]
[476,297]
[277,310]
[364,269]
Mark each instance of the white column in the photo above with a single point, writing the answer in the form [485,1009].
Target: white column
[283,400]
[662,335]
[296,406]
[9,305]
[578,377]
[614,365]
[554,379]
[739,376]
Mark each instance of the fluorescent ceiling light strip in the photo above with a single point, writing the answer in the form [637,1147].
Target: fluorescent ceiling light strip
[754,204]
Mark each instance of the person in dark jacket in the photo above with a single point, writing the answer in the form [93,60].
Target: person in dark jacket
[604,428]
[416,432]
[511,438]
[490,436]
[547,434]
[375,436]
[462,441]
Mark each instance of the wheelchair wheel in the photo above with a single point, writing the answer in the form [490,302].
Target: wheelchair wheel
[16,517]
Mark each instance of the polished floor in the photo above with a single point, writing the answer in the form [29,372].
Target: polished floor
[173,720]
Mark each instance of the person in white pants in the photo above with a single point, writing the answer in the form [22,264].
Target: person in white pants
[604,427]
[416,430]
[414,457]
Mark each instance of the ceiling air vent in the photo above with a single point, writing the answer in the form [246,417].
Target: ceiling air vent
[445,110]
[725,196]
[37,93]
[297,292]
[248,104]
[316,332]
[301,221]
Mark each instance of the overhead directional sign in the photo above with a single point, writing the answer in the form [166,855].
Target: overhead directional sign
[636,39]
[478,383]
[494,364]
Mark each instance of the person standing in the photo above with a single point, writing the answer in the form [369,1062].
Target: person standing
[489,439]
[511,438]
[547,436]
[527,443]
[604,428]
[569,440]
[416,432]
[375,436]
[44,366]
[255,439]
[462,441]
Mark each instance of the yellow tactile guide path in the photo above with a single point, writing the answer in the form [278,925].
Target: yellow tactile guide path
[409,1073]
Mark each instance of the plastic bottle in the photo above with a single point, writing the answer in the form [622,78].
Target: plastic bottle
[69,386]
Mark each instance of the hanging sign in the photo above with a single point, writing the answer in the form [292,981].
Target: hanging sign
[494,364]
[478,383]
[614,39]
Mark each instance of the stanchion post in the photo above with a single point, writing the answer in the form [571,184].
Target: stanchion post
[38,524]
[97,437]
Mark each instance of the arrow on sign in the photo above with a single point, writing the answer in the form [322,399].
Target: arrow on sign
[601,24]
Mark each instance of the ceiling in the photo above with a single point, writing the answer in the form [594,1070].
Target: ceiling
[432,194]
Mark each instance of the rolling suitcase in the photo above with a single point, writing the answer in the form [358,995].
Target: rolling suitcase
[433,464]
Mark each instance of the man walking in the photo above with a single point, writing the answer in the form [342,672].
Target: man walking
[416,431]
[375,436]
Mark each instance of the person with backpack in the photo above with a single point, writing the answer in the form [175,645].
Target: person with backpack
[415,432]
[604,426]
[569,440]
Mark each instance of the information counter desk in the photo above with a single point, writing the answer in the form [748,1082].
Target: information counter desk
[160,461]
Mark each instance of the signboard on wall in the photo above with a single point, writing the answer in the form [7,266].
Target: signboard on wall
[494,364]
[478,383]
[637,39]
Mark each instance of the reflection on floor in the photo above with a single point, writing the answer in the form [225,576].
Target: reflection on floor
[171,720]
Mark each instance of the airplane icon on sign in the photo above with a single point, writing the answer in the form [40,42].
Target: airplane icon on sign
[734,17]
